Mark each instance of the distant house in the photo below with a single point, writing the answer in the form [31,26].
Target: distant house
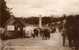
[14,27]
[14,24]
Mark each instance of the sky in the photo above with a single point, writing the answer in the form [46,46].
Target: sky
[26,8]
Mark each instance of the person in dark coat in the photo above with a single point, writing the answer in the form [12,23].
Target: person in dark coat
[69,33]
[46,34]
[72,31]
[76,33]
[36,33]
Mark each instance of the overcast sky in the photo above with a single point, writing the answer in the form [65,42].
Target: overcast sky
[43,7]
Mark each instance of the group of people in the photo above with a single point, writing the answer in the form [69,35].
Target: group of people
[44,33]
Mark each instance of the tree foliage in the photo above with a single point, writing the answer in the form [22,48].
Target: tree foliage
[4,12]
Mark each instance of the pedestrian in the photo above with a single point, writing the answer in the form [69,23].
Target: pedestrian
[36,32]
[46,34]
[72,27]
[1,38]
[64,38]
[69,26]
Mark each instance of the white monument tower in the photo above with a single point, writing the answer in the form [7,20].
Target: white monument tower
[40,21]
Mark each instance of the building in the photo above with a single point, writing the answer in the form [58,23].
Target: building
[14,28]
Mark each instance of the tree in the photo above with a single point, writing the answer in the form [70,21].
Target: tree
[4,12]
